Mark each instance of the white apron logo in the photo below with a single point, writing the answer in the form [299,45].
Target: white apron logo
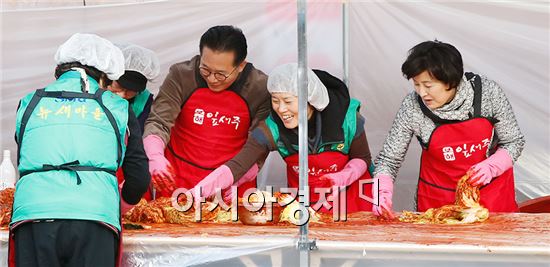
[448,153]
[313,171]
[466,149]
[198,118]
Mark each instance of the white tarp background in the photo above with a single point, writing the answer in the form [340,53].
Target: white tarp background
[508,42]
[170,28]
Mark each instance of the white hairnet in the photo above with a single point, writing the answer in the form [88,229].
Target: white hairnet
[284,79]
[140,59]
[94,51]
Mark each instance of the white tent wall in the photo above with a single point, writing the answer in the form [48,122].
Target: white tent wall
[506,41]
[33,4]
[170,28]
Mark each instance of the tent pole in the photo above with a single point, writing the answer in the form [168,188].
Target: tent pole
[345,40]
[304,244]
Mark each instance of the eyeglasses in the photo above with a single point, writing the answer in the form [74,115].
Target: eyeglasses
[219,76]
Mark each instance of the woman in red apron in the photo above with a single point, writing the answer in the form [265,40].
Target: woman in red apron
[338,150]
[464,124]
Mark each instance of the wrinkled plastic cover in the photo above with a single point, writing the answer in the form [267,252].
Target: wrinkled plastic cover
[284,79]
[140,59]
[169,251]
[92,50]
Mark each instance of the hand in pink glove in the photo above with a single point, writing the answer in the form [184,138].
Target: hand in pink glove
[162,174]
[483,172]
[384,194]
[353,170]
[247,177]
[220,178]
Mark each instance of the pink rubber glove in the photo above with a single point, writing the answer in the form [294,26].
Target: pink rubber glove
[354,169]
[483,172]
[162,174]
[384,194]
[247,177]
[220,178]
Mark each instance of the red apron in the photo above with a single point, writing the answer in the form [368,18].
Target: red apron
[211,129]
[323,163]
[454,147]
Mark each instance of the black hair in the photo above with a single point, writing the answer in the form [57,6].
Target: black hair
[443,61]
[91,71]
[225,38]
[133,81]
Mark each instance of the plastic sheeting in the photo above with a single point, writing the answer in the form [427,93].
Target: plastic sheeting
[274,251]
[211,249]
[170,28]
[172,251]
[507,41]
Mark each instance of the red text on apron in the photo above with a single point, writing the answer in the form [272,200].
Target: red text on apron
[211,128]
[323,163]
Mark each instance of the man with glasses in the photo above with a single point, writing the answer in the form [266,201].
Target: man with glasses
[203,112]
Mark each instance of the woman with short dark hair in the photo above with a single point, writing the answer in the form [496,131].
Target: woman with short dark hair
[464,124]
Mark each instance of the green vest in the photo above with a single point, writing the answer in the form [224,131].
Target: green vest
[139,102]
[349,126]
[70,146]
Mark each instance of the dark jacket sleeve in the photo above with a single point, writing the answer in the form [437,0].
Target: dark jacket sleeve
[178,85]
[360,149]
[263,110]
[135,165]
[257,97]
[360,146]
[255,150]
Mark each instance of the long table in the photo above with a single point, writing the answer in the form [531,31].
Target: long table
[514,239]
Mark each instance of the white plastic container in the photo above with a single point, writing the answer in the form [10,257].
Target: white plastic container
[7,172]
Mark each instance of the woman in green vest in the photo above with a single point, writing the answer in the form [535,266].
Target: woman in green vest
[141,65]
[339,154]
[71,138]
